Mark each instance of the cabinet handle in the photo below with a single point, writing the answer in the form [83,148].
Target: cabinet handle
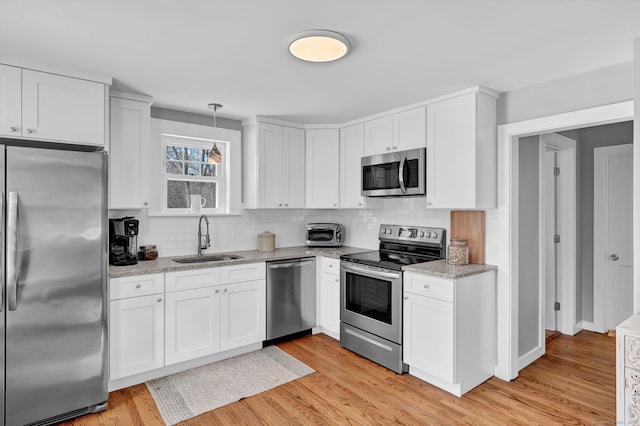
[335,204]
[406,297]
[29,130]
[146,203]
[426,286]
[217,291]
[428,203]
[225,290]
[138,285]
[280,205]
[388,148]
[159,299]
[394,148]
[13,128]
[359,204]
[337,280]
[330,265]
[286,205]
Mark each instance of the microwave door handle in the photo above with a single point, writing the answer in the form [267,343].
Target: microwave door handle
[401,174]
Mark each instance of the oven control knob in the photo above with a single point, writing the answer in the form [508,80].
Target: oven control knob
[434,235]
[421,234]
[428,235]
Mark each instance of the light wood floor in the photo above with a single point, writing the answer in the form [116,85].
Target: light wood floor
[574,383]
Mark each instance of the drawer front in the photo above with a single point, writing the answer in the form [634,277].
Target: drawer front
[331,266]
[139,285]
[241,273]
[197,278]
[424,285]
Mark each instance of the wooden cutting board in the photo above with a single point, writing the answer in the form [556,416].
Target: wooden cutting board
[469,225]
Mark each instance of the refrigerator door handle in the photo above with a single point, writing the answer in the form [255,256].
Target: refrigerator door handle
[12,251]
[2,231]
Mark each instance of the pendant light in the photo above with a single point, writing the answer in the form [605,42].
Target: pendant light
[215,156]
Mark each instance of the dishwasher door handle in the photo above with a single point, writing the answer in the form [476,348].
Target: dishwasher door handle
[289,265]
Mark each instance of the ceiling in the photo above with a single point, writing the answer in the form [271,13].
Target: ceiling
[189,53]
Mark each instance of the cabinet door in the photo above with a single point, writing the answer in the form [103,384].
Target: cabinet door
[330,303]
[323,167]
[10,100]
[271,166]
[351,151]
[193,324]
[242,314]
[62,108]
[428,335]
[451,153]
[409,129]
[136,335]
[295,167]
[378,135]
[129,154]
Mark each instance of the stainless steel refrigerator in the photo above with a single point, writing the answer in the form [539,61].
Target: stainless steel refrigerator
[53,284]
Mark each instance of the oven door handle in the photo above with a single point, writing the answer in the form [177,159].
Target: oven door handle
[370,271]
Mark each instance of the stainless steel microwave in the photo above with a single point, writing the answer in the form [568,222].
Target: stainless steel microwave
[393,174]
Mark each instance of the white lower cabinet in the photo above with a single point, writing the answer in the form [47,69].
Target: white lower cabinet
[192,324]
[136,325]
[201,313]
[330,296]
[449,329]
[242,314]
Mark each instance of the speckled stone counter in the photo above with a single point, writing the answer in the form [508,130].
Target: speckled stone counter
[166,264]
[440,268]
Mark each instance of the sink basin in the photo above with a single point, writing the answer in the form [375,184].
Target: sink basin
[206,258]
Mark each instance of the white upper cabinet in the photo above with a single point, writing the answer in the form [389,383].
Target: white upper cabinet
[129,151]
[10,100]
[51,107]
[274,166]
[351,151]
[397,132]
[462,152]
[322,169]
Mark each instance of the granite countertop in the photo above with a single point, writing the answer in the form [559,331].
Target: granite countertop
[440,268]
[166,264]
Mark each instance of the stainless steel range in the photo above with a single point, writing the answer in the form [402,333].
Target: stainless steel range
[371,291]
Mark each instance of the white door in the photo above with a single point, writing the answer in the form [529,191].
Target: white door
[549,230]
[613,226]
[10,100]
[323,165]
[330,304]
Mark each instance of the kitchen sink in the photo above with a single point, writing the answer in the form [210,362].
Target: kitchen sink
[206,258]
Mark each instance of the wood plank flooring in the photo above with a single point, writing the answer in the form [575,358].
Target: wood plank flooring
[574,383]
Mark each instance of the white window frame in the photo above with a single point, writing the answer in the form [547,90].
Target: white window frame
[230,203]
[220,178]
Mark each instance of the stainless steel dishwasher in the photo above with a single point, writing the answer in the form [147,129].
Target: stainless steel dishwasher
[291,297]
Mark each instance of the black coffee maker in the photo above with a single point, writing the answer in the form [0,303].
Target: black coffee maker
[123,241]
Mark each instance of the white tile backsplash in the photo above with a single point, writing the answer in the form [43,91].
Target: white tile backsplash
[178,236]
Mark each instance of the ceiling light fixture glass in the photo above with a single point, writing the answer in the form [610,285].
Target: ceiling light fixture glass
[319,45]
[215,156]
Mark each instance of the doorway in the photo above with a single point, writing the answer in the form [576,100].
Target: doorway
[505,217]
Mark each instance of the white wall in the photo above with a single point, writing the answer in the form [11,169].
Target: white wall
[177,236]
[528,273]
[593,88]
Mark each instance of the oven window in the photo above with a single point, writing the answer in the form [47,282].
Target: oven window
[320,235]
[369,296]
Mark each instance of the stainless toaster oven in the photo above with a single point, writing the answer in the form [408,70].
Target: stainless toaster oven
[324,234]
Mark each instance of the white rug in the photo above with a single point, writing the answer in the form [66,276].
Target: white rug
[190,393]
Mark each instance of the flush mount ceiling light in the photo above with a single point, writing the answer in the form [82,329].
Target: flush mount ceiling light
[319,45]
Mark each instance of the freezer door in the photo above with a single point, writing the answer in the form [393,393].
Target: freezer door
[56,284]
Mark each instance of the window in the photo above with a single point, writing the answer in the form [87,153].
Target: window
[179,169]
[186,172]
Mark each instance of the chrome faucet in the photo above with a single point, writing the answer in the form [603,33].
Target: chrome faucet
[204,241]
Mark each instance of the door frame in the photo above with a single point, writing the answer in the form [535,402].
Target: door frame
[600,232]
[505,217]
